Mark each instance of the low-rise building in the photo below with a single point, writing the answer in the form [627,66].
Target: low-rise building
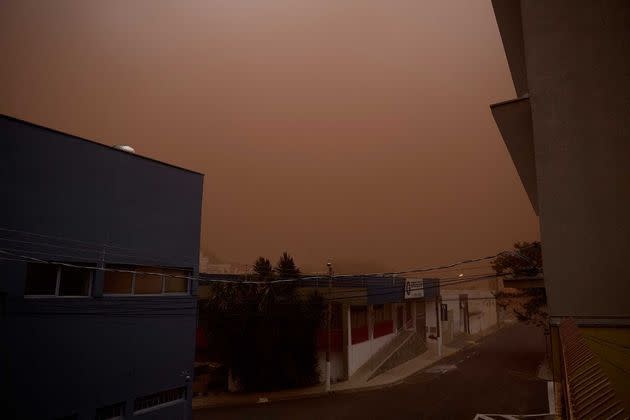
[369,313]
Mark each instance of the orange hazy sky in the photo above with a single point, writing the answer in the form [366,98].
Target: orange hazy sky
[357,130]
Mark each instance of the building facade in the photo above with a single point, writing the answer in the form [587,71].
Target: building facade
[568,133]
[372,318]
[99,251]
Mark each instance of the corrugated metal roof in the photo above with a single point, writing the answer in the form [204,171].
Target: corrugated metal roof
[589,392]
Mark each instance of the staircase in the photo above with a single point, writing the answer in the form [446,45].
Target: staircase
[381,356]
[411,347]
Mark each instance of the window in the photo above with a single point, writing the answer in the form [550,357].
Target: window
[148,284]
[140,282]
[41,279]
[74,281]
[175,284]
[111,412]
[159,399]
[56,280]
[117,283]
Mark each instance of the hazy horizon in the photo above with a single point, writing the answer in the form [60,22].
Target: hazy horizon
[357,130]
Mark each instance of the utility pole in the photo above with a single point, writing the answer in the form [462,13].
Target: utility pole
[328,326]
[438,322]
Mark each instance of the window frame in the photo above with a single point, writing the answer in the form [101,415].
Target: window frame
[56,295]
[163,291]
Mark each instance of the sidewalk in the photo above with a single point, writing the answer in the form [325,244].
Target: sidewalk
[389,378]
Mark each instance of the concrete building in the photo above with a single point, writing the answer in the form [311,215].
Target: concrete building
[463,312]
[373,319]
[568,133]
[80,341]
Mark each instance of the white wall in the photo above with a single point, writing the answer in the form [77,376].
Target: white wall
[430,315]
[336,366]
[487,310]
[481,301]
[481,307]
[361,352]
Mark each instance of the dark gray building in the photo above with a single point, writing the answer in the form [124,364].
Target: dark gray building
[79,340]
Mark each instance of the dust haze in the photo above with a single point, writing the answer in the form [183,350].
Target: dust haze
[353,130]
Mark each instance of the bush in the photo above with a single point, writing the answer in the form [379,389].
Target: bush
[266,334]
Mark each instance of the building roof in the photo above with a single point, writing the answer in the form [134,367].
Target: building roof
[590,391]
[41,127]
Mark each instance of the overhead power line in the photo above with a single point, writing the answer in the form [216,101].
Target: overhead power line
[16,253]
[67,242]
[455,264]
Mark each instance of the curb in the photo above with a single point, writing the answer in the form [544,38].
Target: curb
[250,403]
[319,394]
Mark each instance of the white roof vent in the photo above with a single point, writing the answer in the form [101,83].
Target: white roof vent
[124,148]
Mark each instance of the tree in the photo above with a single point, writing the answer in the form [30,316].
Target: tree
[525,260]
[286,268]
[529,305]
[263,269]
[265,334]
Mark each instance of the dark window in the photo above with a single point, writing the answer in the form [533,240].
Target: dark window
[41,279]
[443,312]
[111,412]
[74,281]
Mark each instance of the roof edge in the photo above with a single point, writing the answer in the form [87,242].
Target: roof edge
[52,130]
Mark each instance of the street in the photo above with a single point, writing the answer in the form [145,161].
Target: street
[498,375]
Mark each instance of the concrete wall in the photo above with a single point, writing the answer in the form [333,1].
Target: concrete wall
[481,307]
[337,366]
[361,352]
[579,77]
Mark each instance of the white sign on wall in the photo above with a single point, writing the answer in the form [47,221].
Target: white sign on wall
[414,288]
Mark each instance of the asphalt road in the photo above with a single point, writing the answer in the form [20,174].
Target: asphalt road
[497,375]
